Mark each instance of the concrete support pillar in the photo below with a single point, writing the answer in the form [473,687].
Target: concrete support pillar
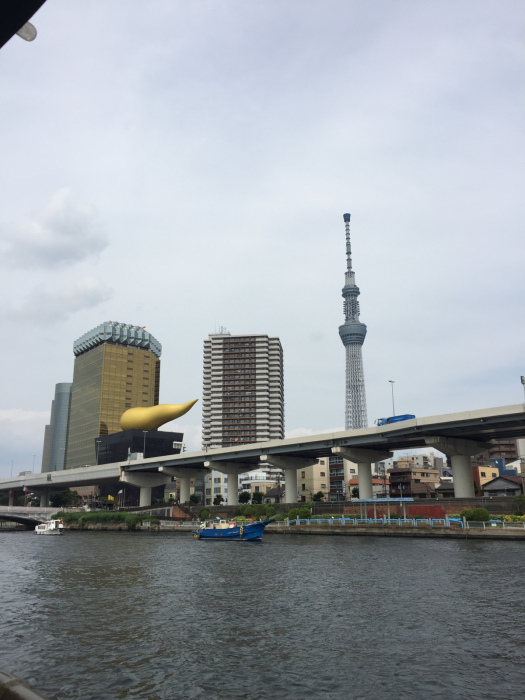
[365,480]
[145,496]
[290,465]
[44,499]
[184,489]
[184,474]
[233,489]
[232,469]
[145,481]
[460,452]
[290,485]
[463,478]
[11,498]
[364,459]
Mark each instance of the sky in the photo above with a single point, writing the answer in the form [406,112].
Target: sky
[184,165]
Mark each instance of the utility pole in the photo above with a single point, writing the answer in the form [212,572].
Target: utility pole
[392,382]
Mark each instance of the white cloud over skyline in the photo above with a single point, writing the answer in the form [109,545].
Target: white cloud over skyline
[53,304]
[214,147]
[66,232]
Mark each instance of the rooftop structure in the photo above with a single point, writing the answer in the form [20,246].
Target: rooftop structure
[353,334]
[122,334]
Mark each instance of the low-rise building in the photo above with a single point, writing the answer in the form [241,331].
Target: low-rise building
[380,487]
[504,486]
[407,481]
[313,479]
[482,474]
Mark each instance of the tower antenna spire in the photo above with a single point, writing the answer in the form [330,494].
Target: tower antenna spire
[346,218]
[353,334]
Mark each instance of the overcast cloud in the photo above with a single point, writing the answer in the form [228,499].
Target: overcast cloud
[204,153]
[55,303]
[66,232]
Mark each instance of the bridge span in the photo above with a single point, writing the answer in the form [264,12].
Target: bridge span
[457,435]
[25,515]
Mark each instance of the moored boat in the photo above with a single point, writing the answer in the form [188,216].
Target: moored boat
[51,527]
[230,530]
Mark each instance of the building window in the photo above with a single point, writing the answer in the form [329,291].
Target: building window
[256,489]
[303,487]
[128,391]
[483,474]
[208,492]
[323,474]
[494,475]
[217,480]
[217,489]
[418,481]
[352,471]
[302,475]
[323,486]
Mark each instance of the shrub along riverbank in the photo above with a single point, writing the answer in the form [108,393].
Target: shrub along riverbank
[101,517]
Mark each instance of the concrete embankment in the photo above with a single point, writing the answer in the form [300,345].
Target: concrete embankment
[404,531]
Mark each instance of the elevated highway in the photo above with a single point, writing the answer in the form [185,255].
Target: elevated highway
[458,435]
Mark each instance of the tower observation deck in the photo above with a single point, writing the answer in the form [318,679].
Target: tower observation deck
[353,334]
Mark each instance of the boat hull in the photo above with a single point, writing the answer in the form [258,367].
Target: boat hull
[48,532]
[252,531]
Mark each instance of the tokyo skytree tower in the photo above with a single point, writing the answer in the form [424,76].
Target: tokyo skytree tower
[353,334]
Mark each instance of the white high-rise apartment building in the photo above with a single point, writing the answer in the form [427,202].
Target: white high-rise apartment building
[243,390]
[243,395]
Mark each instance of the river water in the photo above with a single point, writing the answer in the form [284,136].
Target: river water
[101,615]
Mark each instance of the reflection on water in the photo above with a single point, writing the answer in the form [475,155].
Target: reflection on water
[99,615]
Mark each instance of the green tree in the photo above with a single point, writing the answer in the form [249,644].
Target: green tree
[270,511]
[217,501]
[244,497]
[466,513]
[520,502]
[304,512]
[480,515]
[293,513]
[260,511]
[64,499]
[204,514]
[318,497]
[355,492]
[257,497]
[247,510]
[195,498]
[33,500]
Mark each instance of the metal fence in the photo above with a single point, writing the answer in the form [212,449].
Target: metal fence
[410,522]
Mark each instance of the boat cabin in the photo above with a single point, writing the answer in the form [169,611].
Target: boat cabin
[218,524]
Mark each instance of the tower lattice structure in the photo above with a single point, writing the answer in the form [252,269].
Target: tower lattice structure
[353,334]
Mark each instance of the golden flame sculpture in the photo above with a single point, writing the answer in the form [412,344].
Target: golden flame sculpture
[152,417]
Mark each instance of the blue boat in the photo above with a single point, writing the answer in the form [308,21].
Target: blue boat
[230,530]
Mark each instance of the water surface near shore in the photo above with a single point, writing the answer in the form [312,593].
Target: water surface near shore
[103,615]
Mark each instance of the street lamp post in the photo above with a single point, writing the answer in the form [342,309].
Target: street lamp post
[144,449]
[33,469]
[392,382]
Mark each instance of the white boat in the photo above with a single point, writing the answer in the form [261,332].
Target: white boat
[51,527]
